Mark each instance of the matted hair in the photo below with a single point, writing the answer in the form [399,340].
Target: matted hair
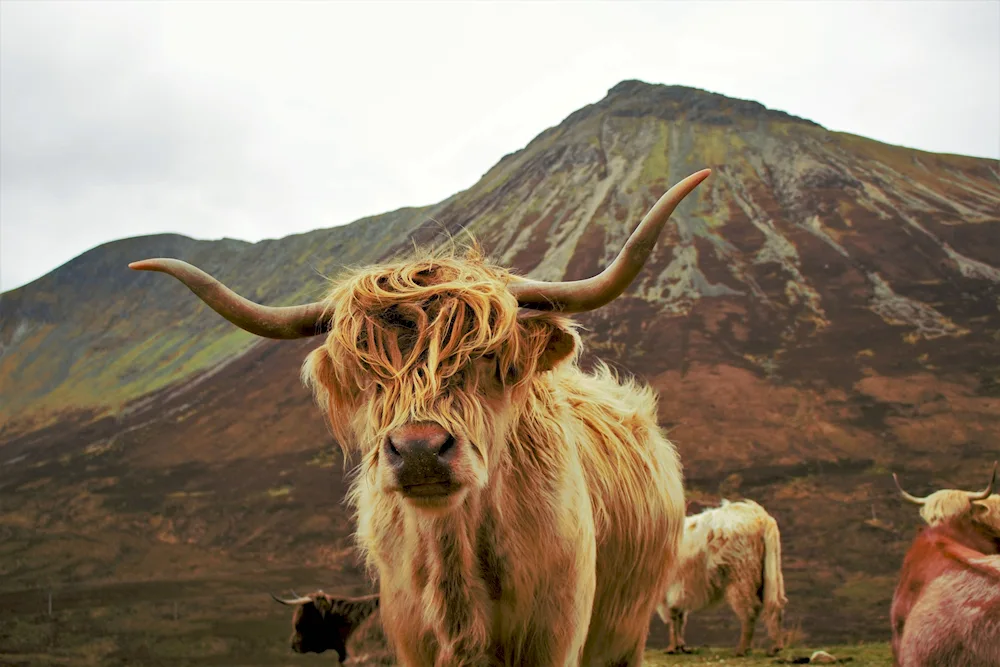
[428,339]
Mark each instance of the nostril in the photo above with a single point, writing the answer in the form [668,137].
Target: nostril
[391,452]
[447,447]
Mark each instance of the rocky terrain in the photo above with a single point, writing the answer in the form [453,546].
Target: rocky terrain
[823,311]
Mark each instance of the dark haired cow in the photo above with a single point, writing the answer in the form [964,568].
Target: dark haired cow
[946,607]
[322,622]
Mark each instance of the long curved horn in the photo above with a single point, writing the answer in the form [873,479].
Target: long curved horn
[293,602]
[983,495]
[577,296]
[265,321]
[907,496]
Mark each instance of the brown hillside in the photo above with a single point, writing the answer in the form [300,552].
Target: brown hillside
[823,311]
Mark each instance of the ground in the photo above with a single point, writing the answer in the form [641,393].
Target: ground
[224,623]
[860,655]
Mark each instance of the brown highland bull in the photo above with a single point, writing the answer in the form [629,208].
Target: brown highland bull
[517,509]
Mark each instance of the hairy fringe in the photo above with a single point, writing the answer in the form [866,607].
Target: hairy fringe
[438,337]
[424,339]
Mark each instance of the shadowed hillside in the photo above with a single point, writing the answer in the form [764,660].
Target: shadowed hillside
[824,310]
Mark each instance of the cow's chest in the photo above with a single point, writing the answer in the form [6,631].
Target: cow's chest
[459,576]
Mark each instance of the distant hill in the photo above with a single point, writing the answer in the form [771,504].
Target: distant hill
[824,310]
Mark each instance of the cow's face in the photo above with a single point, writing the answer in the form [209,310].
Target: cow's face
[425,370]
[945,505]
[948,504]
[987,513]
[313,628]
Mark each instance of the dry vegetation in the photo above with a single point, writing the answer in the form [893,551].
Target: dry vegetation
[226,623]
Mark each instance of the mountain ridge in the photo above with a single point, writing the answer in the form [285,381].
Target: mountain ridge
[823,311]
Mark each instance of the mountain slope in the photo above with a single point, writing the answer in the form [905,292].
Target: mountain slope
[824,310]
[93,335]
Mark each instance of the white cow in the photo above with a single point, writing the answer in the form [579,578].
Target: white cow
[731,551]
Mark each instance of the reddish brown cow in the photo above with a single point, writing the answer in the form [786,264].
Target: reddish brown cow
[946,608]
[322,622]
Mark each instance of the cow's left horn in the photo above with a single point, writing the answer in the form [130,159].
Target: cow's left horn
[983,495]
[907,496]
[266,321]
[295,601]
[577,296]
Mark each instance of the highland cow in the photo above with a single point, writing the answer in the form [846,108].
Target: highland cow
[946,606]
[947,504]
[730,552]
[517,509]
[325,623]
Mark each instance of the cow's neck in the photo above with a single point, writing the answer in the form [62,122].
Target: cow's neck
[972,535]
[447,569]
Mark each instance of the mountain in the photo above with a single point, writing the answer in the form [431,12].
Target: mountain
[821,312]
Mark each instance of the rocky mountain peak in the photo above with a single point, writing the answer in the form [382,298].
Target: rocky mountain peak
[638,98]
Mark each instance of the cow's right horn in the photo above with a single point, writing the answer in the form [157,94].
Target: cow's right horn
[907,496]
[265,321]
[983,495]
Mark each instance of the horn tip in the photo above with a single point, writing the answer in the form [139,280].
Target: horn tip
[143,265]
[697,177]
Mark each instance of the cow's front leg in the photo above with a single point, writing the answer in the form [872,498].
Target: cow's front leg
[411,641]
[547,625]
[464,628]
[678,619]
[558,632]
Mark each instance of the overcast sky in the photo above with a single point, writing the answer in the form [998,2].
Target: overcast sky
[258,120]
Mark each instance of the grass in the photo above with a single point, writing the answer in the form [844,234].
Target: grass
[150,623]
[861,655]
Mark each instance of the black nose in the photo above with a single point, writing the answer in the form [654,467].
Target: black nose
[421,456]
[419,443]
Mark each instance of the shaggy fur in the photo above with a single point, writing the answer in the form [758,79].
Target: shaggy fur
[329,623]
[552,552]
[987,513]
[946,504]
[946,607]
[732,552]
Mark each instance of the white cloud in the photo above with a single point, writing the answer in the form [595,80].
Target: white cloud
[257,120]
